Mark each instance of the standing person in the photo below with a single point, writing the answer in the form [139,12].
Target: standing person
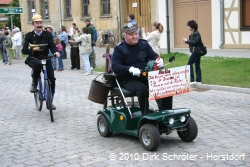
[2,38]
[53,59]
[63,36]
[71,29]
[7,45]
[91,32]
[18,43]
[131,19]
[154,37]
[13,44]
[38,36]
[193,41]
[95,39]
[60,50]
[128,58]
[74,51]
[85,48]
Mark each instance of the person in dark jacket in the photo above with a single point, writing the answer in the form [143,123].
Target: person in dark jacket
[128,58]
[2,38]
[39,36]
[91,31]
[194,41]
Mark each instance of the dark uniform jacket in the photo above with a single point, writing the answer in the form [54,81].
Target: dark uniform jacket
[194,40]
[44,38]
[125,56]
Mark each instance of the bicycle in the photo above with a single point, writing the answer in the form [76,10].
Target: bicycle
[107,38]
[44,93]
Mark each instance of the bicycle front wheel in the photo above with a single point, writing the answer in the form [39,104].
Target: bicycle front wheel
[38,99]
[49,100]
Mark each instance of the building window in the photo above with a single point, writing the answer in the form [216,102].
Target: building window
[31,9]
[45,9]
[85,8]
[245,14]
[68,9]
[105,7]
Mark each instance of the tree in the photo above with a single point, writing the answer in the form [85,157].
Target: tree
[15,17]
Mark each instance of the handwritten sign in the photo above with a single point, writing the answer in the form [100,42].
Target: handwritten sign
[169,82]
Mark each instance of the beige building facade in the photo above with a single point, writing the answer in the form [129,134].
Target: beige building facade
[106,15]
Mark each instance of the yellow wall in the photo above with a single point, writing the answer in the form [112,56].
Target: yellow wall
[101,23]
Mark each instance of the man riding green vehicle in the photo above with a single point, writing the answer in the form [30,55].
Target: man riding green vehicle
[133,61]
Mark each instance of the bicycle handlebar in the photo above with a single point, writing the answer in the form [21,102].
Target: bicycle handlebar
[40,61]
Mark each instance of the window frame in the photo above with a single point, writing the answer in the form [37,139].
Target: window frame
[30,14]
[68,9]
[88,7]
[108,8]
[43,9]
[242,27]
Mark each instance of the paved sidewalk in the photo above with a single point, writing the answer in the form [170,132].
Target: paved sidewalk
[29,139]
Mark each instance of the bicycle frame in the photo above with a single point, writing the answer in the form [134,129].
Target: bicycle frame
[42,88]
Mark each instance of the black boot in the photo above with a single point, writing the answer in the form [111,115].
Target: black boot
[34,84]
[53,107]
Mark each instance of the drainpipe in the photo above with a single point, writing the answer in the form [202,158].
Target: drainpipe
[168,31]
[221,23]
[60,13]
[119,21]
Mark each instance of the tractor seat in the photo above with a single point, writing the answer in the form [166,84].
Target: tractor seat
[116,91]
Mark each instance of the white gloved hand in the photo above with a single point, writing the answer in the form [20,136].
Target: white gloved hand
[135,71]
[159,62]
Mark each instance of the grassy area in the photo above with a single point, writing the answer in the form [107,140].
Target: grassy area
[12,54]
[219,70]
[216,70]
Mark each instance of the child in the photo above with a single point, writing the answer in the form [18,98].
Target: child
[60,50]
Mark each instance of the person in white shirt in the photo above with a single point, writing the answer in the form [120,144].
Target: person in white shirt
[18,43]
[71,29]
[153,37]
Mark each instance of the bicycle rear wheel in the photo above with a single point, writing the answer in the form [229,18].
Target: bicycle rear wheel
[101,42]
[49,100]
[111,41]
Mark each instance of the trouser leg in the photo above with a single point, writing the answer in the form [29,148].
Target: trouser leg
[77,58]
[191,61]
[18,52]
[72,58]
[85,57]
[51,77]
[141,90]
[8,56]
[2,54]
[198,69]
[92,59]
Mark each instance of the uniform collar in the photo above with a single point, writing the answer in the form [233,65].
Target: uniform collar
[38,33]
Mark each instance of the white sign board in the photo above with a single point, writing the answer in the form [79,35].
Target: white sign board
[169,82]
[134,5]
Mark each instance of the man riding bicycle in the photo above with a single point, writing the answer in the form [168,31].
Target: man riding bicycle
[128,58]
[40,36]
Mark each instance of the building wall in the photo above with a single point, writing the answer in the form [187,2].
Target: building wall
[101,23]
[234,37]
[216,25]
[161,15]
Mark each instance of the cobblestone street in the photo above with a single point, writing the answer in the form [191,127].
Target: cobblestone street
[28,138]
